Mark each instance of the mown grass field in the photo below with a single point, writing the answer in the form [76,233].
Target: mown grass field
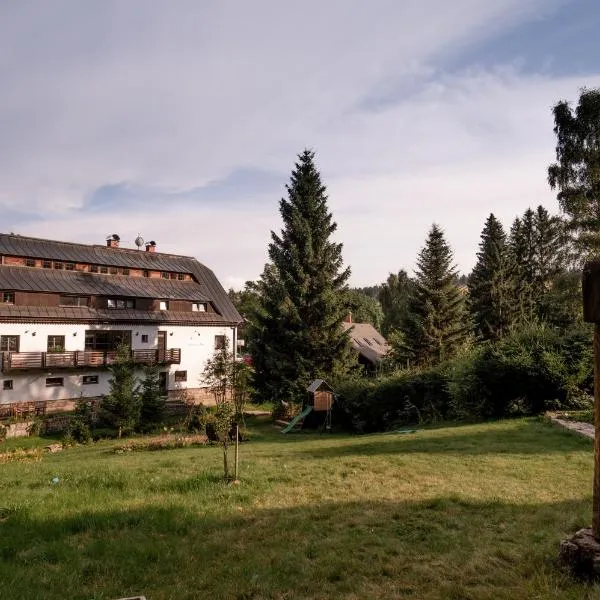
[459,513]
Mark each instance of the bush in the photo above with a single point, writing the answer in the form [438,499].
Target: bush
[392,401]
[528,372]
[78,432]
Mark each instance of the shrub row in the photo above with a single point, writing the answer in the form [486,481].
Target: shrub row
[528,372]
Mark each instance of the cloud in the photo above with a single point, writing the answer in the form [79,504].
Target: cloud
[177,121]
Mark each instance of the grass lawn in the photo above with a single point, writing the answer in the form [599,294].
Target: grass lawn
[458,513]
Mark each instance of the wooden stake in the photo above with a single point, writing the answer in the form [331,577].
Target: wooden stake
[237,450]
[596,496]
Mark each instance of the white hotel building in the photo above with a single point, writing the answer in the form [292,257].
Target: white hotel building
[65,307]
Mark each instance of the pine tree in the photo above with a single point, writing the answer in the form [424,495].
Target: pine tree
[491,293]
[303,292]
[122,403]
[438,324]
[153,402]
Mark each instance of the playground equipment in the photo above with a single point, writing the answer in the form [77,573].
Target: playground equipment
[316,411]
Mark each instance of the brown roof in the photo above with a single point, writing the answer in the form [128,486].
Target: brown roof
[82,314]
[209,286]
[28,279]
[367,341]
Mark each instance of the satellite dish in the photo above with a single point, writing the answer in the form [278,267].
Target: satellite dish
[139,241]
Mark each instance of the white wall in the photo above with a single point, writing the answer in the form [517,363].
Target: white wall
[196,344]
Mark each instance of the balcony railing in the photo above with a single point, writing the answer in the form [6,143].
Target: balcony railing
[12,361]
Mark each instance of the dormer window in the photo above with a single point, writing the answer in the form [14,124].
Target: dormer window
[164,275]
[30,262]
[8,297]
[120,303]
[163,305]
[199,306]
[69,266]
[58,265]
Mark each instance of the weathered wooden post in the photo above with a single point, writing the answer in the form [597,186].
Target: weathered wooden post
[582,552]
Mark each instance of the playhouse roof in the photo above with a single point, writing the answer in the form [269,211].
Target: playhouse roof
[316,385]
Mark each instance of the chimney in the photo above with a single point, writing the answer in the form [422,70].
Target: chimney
[348,317]
[113,241]
[151,246]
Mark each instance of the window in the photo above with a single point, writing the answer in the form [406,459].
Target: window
[7,384]
[219,342]
[89,379]
[106,340]
[173,275]
[58,266]
[125,271]
[164,275]
[120,303]
[9,343]
[146,273]
[93,268]
[73,301]
[180,376]
[69,266]
[114,271]
[56,343]
[104,270]
[47,264]
[8,297]
[163,305]
[199,306]
[55,381]
[29,262]
[180,276]
[144,338]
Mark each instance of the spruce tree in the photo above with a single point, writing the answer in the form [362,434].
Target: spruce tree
[438,324]
[303,292]
[122,403]
[491,293]
[153,402]
[522,254]
[540,253]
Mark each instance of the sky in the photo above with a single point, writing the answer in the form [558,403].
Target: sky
[181,120]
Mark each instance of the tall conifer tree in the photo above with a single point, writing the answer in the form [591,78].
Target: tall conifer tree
[438,323]
[303,292]
[491,294]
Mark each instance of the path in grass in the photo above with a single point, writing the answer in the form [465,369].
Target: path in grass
[469,513]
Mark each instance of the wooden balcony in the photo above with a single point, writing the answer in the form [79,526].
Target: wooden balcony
[19,361]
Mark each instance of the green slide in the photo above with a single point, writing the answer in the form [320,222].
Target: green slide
[296,420]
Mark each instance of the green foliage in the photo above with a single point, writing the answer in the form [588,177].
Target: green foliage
[529,371]
[298,333]
[539,250]
[78,431]
[576,173]
[153,402]
[491,289]
[229,383]
[122,404]
[364,308]
[437,325]
[393,296]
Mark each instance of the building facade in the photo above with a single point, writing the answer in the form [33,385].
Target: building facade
[66,307]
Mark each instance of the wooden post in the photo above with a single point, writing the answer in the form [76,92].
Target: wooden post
[591,314]
[596,496]
[237,451]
